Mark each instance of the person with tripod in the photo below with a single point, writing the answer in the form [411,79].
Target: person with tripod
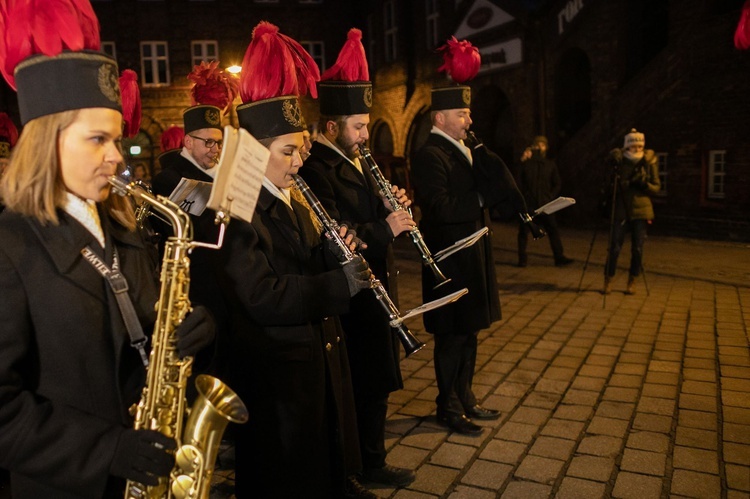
[635,176]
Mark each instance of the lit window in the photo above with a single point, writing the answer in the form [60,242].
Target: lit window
[317,51]
[389,21]
[433,15]
[109,49]
[662,159]
[717,170]
[204,51]
[154,64]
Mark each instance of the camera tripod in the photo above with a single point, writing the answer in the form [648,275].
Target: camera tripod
[615,185]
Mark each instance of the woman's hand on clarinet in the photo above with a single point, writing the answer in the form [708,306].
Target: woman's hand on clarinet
[400,221]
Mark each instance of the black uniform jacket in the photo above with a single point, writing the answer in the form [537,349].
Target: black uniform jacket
[447,191]
[290,363]
[67,372]
[350,197]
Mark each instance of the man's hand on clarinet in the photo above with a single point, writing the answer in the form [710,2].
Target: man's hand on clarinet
[400,221]
[401,197]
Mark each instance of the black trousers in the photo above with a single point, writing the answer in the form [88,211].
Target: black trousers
[549,224]
[371,414]
[455,358]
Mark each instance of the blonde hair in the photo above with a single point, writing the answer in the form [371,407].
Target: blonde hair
[32,184]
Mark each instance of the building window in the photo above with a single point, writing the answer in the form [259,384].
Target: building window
[433,14]
[661,157]
[389,22]
[204,51]
[154,64]
[717,170]
[109,49]
[317,52]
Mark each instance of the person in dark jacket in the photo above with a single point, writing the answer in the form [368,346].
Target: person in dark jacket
[637,172]
[539,182]
[455,186]
[349,194]
[284,289]
[67,371]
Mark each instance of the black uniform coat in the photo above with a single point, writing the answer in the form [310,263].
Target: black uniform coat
[290,364]
[67,371]
[539,180]
[447,192]
[351,198]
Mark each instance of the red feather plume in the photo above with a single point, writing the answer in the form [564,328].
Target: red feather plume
[8,129]
[742,35]
[351,64]
[275,65]
[213,86]
[131,102]
[30,27]
[461,60]
[171,138]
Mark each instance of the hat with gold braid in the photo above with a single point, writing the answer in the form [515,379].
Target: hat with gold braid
[213,92]
[275,70]
[42,38]
[345,88]
[461,63]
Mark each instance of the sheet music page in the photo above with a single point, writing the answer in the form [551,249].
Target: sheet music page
[239,179]
[460,244]
[555,205]
[191,195]
[432,305]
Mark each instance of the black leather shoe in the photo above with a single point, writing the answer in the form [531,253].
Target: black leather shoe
[479,412]
[354,489]
[460,424]
[563,261]
[389,475]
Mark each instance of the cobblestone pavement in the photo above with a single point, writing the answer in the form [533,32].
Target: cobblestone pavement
[642,396]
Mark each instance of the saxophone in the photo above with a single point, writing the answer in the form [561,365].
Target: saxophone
[162,406]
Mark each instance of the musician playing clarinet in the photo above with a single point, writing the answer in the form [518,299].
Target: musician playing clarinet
[455,186]
[348,192]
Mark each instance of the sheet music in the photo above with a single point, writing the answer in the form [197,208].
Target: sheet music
[191,195]
[432,305]
[460,244]
[555,205]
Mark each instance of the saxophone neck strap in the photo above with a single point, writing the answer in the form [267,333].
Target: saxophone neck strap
[119,286]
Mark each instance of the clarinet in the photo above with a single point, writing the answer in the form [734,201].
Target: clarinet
[416,235]
[331,228]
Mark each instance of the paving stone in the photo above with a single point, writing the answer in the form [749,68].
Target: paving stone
[465,492]
[551,386]
[452,455]
[517,432]
[591,467]
[487,474]
[736,384]
[625,380]
[659,391]
[736,453]
[652,422]
[424,438]
[580,397]
[699,388]
[563,428]
[608,426]
[555,448]
[692,484]
[595,371]
[697,419]
[574,412]
[738,477]
[736,415]
[509,389]
[653,405]
[503,451]
[434,479]
[689,458]
[531,415]
[542,400]
[664,366]
[647,463]
[661,378]
[588,383]
[699,375]
[600,445]
[738,433]
[575,488]
[735,398]
[526,490]
[650,441]
[539,469]
[693,437]
[618,394]
[616,410]
[418,408]
[634,486]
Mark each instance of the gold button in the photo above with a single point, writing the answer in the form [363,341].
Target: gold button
[338,339]
[328,347]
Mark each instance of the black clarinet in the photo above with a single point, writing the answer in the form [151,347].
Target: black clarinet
[331,227]
[416,235]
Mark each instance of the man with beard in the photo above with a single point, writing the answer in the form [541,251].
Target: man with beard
[636,172]
[348,192]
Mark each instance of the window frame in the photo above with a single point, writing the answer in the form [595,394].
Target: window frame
[716,178]
[390,31]
[317,50]
[203,44]
[154,61]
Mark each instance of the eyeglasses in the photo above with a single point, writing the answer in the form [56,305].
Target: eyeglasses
[209,142]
